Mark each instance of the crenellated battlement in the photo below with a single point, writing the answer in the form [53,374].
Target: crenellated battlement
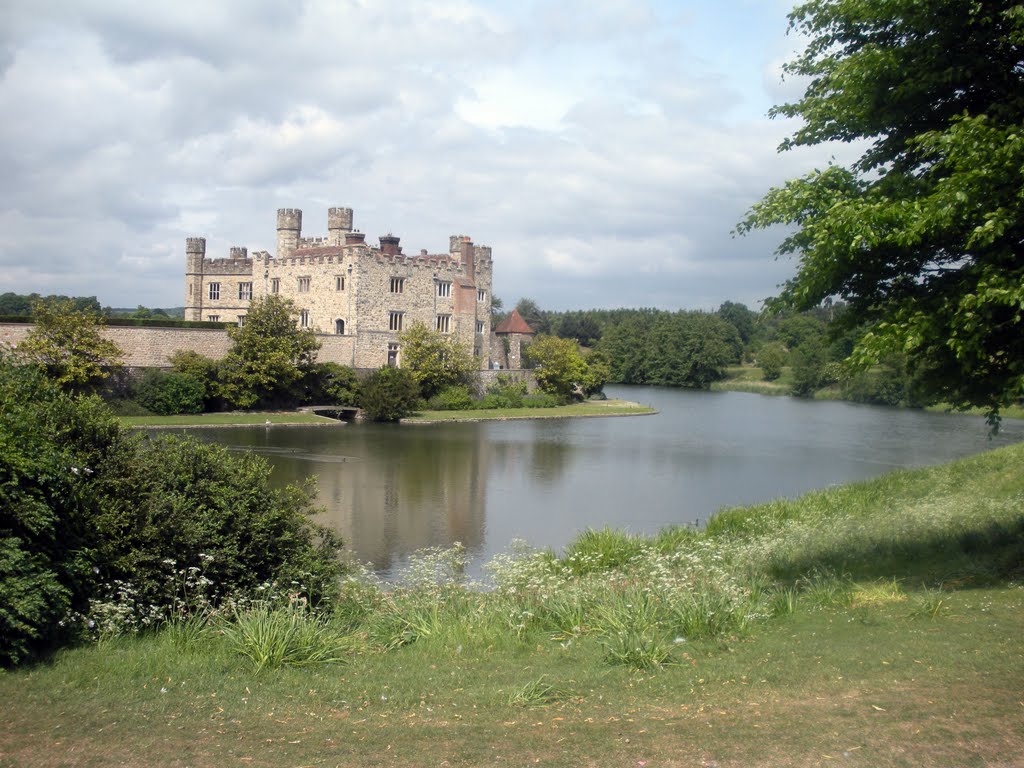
[343,286]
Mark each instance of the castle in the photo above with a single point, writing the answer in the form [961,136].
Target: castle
[360,295]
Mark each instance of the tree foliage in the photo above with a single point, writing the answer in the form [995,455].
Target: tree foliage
[68,343]
[437,361]
[921,236]
[270,356]
[771,358]
[671,349]
[559,367]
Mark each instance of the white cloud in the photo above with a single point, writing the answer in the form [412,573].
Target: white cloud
[605,150]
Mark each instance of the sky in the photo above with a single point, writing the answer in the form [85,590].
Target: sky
[605,149]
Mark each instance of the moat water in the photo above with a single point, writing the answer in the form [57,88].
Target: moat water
[390,490]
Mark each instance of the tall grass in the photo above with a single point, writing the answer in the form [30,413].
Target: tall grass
[634,600]
[271,637]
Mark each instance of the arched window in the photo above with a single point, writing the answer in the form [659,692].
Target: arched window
[339,327]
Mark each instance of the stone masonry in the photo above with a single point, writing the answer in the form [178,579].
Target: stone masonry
[357,298]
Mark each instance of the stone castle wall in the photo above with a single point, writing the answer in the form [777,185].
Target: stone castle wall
[344,287]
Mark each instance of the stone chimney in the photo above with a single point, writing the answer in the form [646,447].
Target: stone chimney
[389,245]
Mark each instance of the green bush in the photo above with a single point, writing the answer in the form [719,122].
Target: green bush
[330,384]
[389,394]
[167,393]
[452,399]
[93,517]
[505,392]
[200,369]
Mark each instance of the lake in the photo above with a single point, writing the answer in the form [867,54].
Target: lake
[390,490]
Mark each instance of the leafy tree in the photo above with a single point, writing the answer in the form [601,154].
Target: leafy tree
[201,369]
[497,305]
[581,326]
[389,394]
[69,344]
[331,384]
[742,319]
[627,343]
[771,358]
[808,363]
[599,370]
[558,366]
[270,356]
[437,361]
[921,235]
[535,317]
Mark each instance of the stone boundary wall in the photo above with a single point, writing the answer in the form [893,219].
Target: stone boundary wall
[144,347]
[152,347]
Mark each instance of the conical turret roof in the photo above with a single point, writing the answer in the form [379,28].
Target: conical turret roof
[514,323]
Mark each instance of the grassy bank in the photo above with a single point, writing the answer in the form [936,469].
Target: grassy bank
[877,624]
[254,419]
[588,408]
[749,378]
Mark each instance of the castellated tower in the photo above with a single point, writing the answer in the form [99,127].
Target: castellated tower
[289,230]
[195,252]
[339,221]
[358,298]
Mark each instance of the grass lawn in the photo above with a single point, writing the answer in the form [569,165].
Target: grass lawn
[227,419]
[748,378]
[589,408]
[876,624]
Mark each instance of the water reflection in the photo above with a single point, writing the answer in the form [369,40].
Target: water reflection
[391,490]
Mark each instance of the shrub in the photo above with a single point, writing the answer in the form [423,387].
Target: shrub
[200,369]
[541,400]
[330,384]
[452,399]
[168,393]
[505,392]
[91,514]
[389,394]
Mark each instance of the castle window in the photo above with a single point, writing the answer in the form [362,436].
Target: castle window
[444,289]
[339,327]
[304,318]
[214,290]
[241,321]
[479,326]
[213,318]
[245,291]
[395,321]
[339,283]
[481,294]
[392,355]
[275,285]
[303,285]
[444,323]
[397,286]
